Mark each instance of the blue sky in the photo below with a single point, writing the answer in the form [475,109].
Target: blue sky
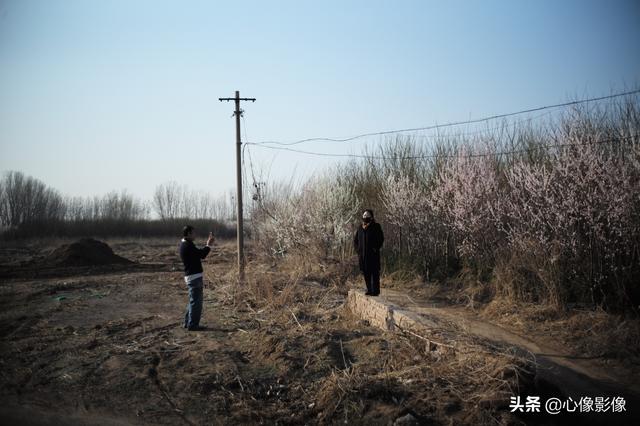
[103,95]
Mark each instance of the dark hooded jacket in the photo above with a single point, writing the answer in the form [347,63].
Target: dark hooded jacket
[191,256]
[368,243]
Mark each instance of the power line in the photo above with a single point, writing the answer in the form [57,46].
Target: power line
[415,157]
[483,131]
[451,124]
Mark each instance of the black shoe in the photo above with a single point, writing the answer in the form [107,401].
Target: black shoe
[197,328]
[367,293]
[375,294]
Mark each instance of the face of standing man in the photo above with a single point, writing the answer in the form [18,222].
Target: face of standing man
[367,217]
[190,235]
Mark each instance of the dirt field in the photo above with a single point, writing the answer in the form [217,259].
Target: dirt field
[104,344]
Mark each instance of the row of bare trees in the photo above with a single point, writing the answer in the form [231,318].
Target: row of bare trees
[112,206]
[29,206]
[24,199]
[172,200]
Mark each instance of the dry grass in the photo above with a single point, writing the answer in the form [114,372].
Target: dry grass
[298,322]
[282,348]
[607,339]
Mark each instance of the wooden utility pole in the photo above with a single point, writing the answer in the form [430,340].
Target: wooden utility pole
[240,228]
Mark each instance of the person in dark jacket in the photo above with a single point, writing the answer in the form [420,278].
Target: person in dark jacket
[368,242]
[191,258]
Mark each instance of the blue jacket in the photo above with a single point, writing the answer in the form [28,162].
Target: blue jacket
[191,256]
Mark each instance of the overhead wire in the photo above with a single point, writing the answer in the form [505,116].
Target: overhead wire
[451,124]
[256,184]
[409,157]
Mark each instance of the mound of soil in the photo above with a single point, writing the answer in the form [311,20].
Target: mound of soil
[85,252]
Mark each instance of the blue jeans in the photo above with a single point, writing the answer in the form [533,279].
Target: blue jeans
[194,307]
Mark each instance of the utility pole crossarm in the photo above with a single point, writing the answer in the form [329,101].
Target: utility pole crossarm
[240,227]
[240,99]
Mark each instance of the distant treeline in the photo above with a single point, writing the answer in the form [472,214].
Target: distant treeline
[29,208]
[106,228]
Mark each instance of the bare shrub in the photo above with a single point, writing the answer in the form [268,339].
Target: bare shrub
[467,195]
[577,212]
[316,217]
[409,206]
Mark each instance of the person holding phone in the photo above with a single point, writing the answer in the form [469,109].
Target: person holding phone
[192,259]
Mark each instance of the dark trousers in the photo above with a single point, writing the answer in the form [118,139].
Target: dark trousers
[194,307]
[372,280]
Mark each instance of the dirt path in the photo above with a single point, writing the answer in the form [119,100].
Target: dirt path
[557,370]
